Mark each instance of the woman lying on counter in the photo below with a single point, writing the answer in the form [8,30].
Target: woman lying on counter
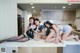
[34,30]
[24,37]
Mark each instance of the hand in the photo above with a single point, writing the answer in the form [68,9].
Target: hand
[36,32]
[30,27]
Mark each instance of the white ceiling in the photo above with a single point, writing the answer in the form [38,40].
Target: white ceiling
[39,7]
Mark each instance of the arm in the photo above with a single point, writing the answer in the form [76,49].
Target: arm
[42,32]
[27,28]
[31,27]
[56,29]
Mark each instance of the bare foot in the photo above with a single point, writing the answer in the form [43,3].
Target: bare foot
[56,42]
[76,38]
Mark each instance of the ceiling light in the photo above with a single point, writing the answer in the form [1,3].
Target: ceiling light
[34,11]
[63,7]
[33,7]
[31,3]
[69,4]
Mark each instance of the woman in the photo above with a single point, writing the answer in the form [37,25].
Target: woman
[40,30]
[24,37]
[52,33]
[67,34]
[31,28]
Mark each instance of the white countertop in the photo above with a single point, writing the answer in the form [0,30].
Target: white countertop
[39,43]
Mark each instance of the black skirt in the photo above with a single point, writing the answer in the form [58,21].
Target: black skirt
[30,33]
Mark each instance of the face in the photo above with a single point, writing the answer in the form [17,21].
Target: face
[31,21]
[37,22]
[47,25]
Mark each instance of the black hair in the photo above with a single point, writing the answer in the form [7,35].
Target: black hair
[70,25]
[33,22]
[31,18]
[48,22]
[37,20]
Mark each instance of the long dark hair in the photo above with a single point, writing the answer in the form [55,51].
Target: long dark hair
[48,22]
[33,22]
[36,20]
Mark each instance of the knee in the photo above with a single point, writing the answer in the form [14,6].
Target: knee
[24,39]
[63,38]
[47,39]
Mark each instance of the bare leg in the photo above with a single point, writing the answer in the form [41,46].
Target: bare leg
[21,36]
[65,35]
[43,37]
[38,36]
[15,38]
[51,35]
[19,39]
[22,40]
[51,40]
[59,38]
[72,36]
